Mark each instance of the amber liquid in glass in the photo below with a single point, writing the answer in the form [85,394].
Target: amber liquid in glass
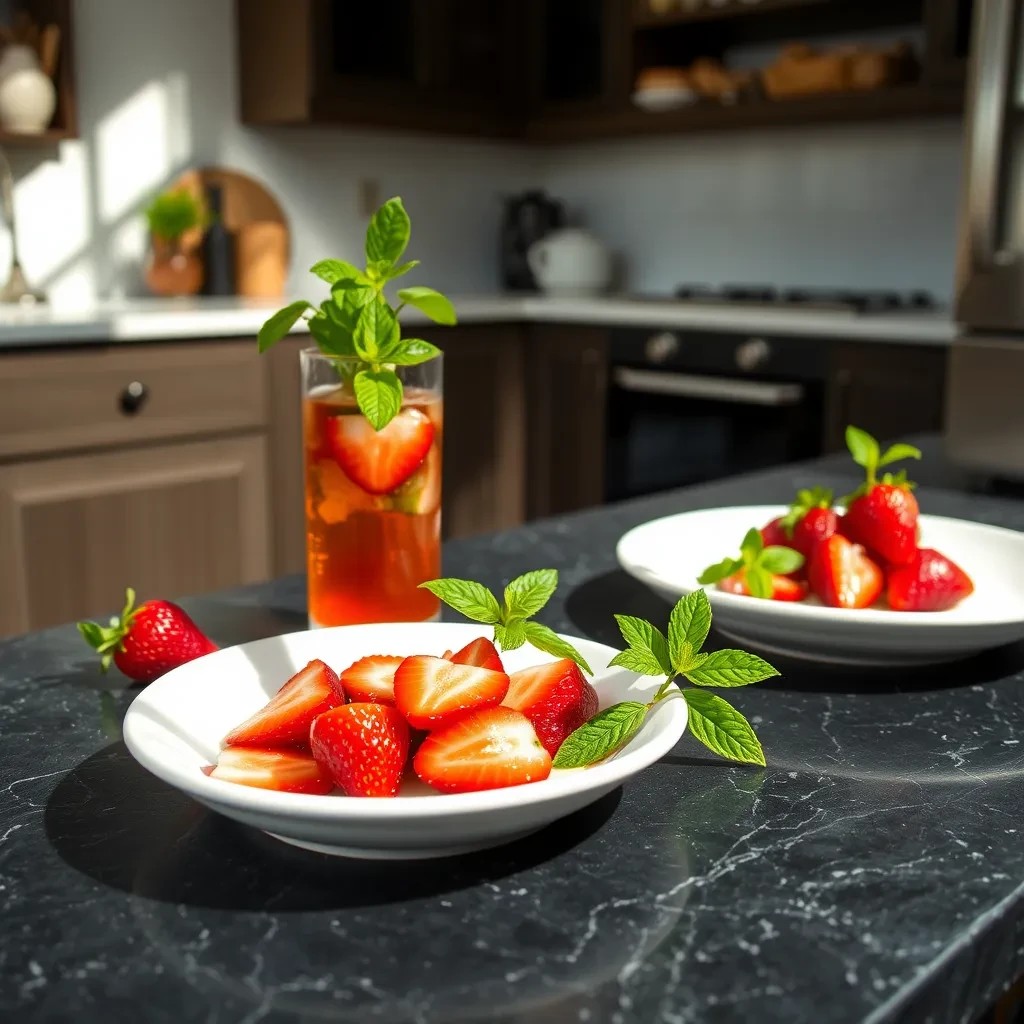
[367,553]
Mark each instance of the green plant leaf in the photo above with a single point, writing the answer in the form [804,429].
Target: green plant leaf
[720,570]
[607,732]
[863,447]
[548,641]
[731,668]
[437,306]
[378,271]
[636,659]
[379,396]
[721,728]
[280,323]
[388,232]
[332,338]
[510,635]
[412,351]
[472,599]
[688,627]
[759,581]
[645,638]
[376,331]
[780,560]
[402,268]
[752,546]
[333,271]
[527,594]
[896,452]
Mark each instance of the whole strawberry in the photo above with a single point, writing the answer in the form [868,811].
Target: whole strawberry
[810,519]
[882,514]
[147,641]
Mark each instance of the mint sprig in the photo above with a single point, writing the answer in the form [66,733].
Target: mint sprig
[713,721]
[523,598]
[757,563]
[358,323]
[867,453]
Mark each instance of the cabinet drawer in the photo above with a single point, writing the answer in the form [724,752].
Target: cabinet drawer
[65,400]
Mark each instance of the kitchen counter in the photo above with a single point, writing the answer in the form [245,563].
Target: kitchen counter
[154,319]
[873,873]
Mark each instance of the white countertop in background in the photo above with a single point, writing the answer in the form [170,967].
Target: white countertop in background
[154,319]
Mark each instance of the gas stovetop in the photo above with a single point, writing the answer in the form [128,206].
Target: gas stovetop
[835,299]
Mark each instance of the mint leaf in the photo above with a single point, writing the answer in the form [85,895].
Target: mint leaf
[759,581]
[607,732]
[510,635]
[412,351]
[643,662]
[688,627]
[752,546]
[527,594]
[378,270]
[388,232]
[548,641]
[863,447]
[646,639]
[730,668]
[780,560]
[473,600]
[379,396]
[332,338]
[280,323]
[720,570]
[720,727]
[437,306]
[333,271]
[376,331]
[899,451]
[402,268]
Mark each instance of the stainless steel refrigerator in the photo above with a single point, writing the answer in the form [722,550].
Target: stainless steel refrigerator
[985,402]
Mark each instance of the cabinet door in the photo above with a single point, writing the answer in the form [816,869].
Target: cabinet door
[567,396]
[889,390]
[169,520]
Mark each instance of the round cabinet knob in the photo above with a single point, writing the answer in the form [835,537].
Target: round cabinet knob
[133,398]
[753,354]
[661,346]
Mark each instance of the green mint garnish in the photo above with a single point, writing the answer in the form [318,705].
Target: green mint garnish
[712,720]
[758,564]
[358,323]
[867,454]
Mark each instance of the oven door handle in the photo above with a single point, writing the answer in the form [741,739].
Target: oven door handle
[717,389]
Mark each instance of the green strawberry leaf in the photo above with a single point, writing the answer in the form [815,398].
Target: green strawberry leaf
[730,668]
[527,594]
[688,627]
[548,641]
[721,728]
[379,396]
[863,447]
[388,232]
[437,306]
[280,323]
[471,599]
[605,733]
[896,452]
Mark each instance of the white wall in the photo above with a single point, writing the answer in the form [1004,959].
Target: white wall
[156,81]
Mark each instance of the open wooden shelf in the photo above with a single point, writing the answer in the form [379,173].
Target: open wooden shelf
[644,17]
[25,139]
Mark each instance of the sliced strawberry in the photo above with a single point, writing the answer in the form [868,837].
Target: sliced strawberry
[372,679]
[842,575]
[287,771]
[784,588]
[480,652]
[485,749]
[380,461]
[431,691]
[776,534]
[286,719]
[555,697]
[364,747]
[884,520]
[930,582]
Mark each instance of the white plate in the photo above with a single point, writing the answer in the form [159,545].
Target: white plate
[658,99]
[174,728]
[669,554]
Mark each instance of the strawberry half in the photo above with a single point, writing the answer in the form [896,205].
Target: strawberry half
[380,461]
[147,641]
[363,747]
[372,679]
[480,652]
[485,749]
[287,771]
[784,588]
[285,720]
[929,582]
[432,691]
[842,575]
[556,698]
[884,520]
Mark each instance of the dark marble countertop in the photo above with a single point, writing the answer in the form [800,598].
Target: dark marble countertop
[874,872]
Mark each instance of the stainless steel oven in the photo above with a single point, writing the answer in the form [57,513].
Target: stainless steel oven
[688,406]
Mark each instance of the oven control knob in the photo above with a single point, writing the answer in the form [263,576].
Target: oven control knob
[753,354]
[661,346]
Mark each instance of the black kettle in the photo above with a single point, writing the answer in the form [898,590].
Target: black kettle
[528,218]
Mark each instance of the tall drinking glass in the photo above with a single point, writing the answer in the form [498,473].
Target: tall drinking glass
[373,498]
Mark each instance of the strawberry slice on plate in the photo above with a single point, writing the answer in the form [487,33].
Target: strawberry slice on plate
[930,582]
[430,691]
[784,588]
[480,652]
[363,747]
[556,698]
[485,749]
[842,575]
[372,679]
[286,719]
[287,771]
[380,461]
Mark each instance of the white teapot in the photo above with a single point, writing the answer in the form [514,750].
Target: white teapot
[571,261]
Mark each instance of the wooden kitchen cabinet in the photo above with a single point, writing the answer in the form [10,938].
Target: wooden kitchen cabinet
[889,390]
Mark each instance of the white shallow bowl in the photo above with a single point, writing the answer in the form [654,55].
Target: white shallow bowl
[669,554]
[174,728]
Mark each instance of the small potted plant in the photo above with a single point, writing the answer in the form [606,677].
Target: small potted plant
[174,269]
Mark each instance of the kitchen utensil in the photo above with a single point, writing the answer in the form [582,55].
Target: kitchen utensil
[174,728]
[527,219]
[571,261]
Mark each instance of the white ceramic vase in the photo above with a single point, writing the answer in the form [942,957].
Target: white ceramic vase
[27,96]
